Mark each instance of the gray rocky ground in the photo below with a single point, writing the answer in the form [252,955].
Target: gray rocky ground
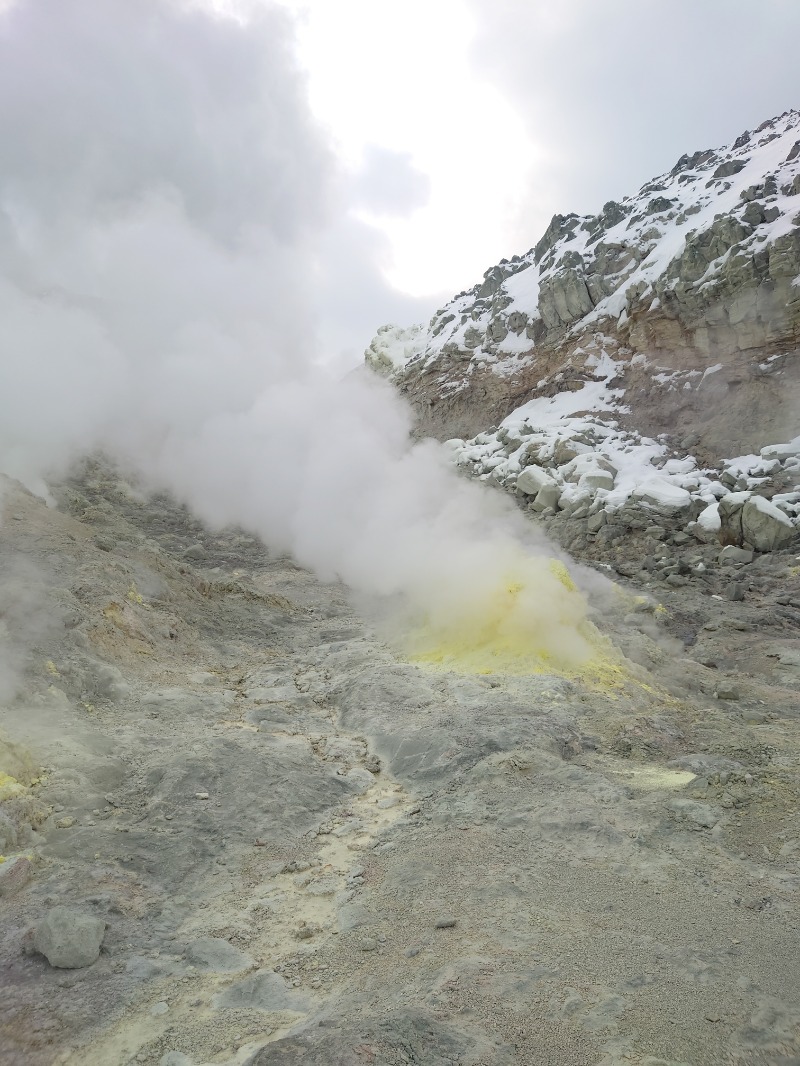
[304,848]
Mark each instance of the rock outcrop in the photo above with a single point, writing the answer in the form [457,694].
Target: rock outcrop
[694,277]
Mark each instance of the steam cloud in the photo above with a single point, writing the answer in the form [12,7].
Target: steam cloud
[166,212]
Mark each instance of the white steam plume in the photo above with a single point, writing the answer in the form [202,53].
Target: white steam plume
[166,205]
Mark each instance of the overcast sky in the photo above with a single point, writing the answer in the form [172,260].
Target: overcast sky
[498,113]
[393,149]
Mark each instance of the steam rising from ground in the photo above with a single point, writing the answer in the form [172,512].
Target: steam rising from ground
[166,206]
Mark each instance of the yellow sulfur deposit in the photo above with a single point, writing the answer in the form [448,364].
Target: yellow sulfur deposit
[134,595]
[533,623]
[9,786]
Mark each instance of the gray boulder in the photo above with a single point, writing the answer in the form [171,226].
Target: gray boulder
[596,521]
[68,939]
[548,496]
[765,526]
[730,517]
[731,555]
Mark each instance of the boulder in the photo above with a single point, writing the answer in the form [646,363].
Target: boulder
[596,479]
[596,521]
[69,939]
[532,480]
[782,451]
[731,555]
[765,526]
[730,517]
[663,495]
[548,496]
[568,449]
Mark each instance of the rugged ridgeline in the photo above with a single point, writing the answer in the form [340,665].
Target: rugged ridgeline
[643,358]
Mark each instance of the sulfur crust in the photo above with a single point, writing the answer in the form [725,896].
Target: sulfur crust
[503,635]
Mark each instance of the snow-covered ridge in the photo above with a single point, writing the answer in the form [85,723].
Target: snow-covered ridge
[717,220]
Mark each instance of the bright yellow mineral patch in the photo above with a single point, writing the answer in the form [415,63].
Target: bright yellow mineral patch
[9,786]
[533,622]
[134,595]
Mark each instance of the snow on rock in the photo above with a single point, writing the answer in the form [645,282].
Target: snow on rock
[782,451]
[707,526]
[662,493]
[532,479]
[765,526]
[569,453]
[393,347]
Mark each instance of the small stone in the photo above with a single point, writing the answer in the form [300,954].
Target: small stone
[676,581]
[445,923]
[373,764]
[756,717]
[368,944]
[105,544]
[726,692]
[201,795]
[65,823]
[14,874]
[159,1008]
[411,952]
[195,552]
[735,591]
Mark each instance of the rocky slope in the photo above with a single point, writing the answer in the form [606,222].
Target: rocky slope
[695,273]
[642,365]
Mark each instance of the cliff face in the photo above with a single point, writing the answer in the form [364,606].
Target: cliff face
[693,285]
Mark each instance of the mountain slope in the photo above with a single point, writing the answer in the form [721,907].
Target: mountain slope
[696,275]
